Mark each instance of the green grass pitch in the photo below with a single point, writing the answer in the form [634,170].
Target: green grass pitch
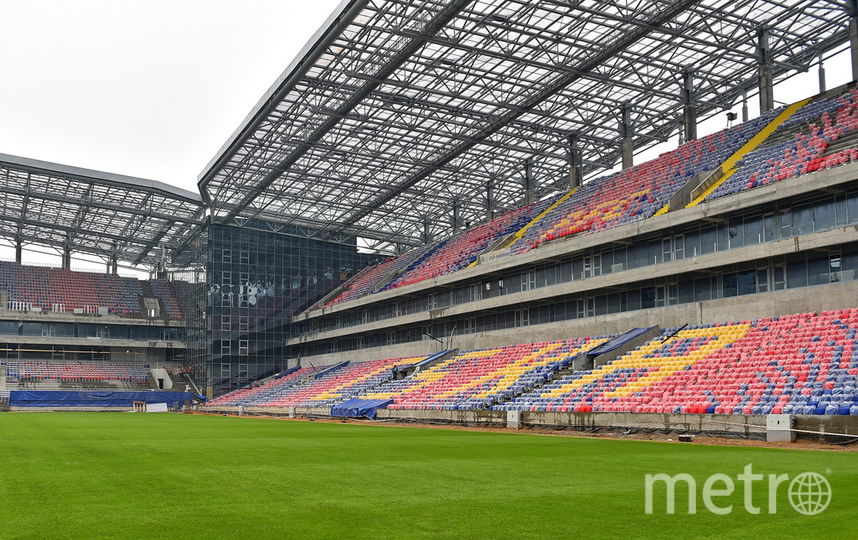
[112,475]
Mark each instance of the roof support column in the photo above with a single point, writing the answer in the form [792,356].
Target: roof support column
[427,235]
[19,248]
[112,265]
[744,106]
[490,200]
[67,256]
[455,219]
[528,181]
[575,159]
[689,109]
[821,75]
[852,11]
[764,75]
[627,133]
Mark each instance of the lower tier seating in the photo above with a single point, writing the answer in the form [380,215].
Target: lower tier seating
[341,384]
[796,364]
[479,378]
[261,393]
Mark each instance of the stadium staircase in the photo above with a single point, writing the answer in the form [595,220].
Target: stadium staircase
[512,238]
[706,183]
[149,302]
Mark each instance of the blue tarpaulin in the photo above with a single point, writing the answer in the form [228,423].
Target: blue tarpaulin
[56,398]
[615,343]
[356,408]
[327,370]
[289,371]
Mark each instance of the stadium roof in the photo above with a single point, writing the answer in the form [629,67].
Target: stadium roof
[91,211]
[398,108]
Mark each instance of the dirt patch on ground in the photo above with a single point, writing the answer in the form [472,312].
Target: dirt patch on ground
[614,434]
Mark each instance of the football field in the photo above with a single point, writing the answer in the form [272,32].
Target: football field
[117,475]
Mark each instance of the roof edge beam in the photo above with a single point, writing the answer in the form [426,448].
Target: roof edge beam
[432,27]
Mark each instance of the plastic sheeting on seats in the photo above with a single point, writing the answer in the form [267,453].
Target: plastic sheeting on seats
[357,408]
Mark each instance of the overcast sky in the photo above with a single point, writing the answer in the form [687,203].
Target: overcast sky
[153,89]
[149,88]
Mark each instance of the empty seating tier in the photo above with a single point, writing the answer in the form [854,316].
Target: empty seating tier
[479,378]
[77,371]
[803,144]
[60,290]
[798,364]
[341,384]
[463,249]
[367,280]
[261,393]
[638,192]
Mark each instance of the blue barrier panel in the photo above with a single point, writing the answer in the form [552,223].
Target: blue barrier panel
[356,408]
[55,398]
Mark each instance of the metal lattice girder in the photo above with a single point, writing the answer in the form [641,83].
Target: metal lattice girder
[92,212]
[398,108]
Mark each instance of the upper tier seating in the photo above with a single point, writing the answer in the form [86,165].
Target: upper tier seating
[57,289]
[638,192]
[604,203]
[479,378]
[163,291]
[258,394]
[800,146]
[77,371]
[799,364]
[364,282]
[463,249]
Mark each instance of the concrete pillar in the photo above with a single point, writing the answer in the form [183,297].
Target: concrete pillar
[528,181]
[689,108]
[19,248]
[821,75]
[764,76]
[627,146]
[744,106]
[113,266]
[575,159]
[490,200]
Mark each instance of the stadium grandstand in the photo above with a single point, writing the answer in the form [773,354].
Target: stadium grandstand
[498,209]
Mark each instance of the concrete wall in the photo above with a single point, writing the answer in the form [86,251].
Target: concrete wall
[417,348]
[816,298]
[750,426]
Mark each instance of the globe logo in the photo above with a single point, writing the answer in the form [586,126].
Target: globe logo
[809,493]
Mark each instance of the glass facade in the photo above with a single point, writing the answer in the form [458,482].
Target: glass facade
[89,330]
[256,278]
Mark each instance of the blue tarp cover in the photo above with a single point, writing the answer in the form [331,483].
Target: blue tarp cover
[55,398]
[327,370]
[430,358]
[287,372]
[617,341]
[356,408]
